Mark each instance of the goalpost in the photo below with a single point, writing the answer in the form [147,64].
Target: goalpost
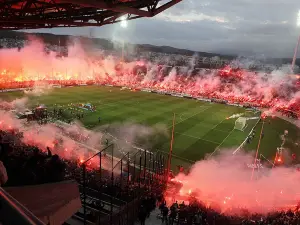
[240,123]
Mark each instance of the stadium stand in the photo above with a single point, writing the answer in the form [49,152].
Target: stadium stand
[197,213]
[119,195]
[109,197]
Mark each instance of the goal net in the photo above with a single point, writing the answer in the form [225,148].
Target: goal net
[240,123]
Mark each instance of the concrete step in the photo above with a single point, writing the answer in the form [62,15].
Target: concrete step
[73,221]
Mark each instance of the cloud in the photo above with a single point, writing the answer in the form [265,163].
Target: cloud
[234,27]
[193,16]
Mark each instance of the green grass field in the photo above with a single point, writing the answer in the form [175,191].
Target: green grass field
[201,128]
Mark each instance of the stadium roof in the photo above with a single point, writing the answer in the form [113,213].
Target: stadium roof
[34,14]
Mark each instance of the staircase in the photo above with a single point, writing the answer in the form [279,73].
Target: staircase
[95,207]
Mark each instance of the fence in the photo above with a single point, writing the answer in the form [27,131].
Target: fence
[124,180]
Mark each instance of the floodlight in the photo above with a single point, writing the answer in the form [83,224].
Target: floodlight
[123,23]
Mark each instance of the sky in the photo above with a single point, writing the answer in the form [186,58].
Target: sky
[243,27]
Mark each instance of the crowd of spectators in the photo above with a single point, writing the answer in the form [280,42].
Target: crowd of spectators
[198,214]
[147,205]
[188,86]
[27,165]
[4,85]
[290,113]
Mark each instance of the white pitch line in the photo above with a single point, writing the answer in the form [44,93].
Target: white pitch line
[221,142]
[181,116]
[196,137]
[209,130]
[226,138]
[216,125]
[191,116]
[261,155]
[221,130]
[241,145]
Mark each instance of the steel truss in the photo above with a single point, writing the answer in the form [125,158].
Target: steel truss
[34,14]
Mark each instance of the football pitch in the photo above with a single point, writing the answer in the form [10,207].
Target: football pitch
[201,128]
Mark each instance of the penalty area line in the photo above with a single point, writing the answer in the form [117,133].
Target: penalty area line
[217,148]
[203,110]
[196,137]
[261,155]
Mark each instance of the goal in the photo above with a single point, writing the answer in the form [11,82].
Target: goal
[240,123]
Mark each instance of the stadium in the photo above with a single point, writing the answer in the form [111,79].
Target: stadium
[101,138]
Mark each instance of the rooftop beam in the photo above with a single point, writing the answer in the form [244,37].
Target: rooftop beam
[165,6]
[103,5]
[72,13]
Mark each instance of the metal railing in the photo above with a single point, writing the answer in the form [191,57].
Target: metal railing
[13,212]
[128,178]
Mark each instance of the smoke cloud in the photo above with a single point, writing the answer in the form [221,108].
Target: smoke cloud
[75,142]
[129,136]
[32,64]
[224,181]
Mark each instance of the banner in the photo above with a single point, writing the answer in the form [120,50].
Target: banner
[247,105]
[177,95]
[204,99]
[15,89]
[233,104]
[146,90]
[161,92]
[56,86]
[219,101]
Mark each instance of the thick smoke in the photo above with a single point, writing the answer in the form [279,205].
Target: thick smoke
[129,136]
[224,181]
[39,88]
[18,104]
[31,63]
[74,142]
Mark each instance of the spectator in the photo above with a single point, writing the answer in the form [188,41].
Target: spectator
[162,206]
[173,213]
[3,174]
[142,214]
[197,219]
[165,212]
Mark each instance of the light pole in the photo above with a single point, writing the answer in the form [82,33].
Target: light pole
[123,25]
[297,46]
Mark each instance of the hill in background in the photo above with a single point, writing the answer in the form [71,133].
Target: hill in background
[63,40]
[105,44]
